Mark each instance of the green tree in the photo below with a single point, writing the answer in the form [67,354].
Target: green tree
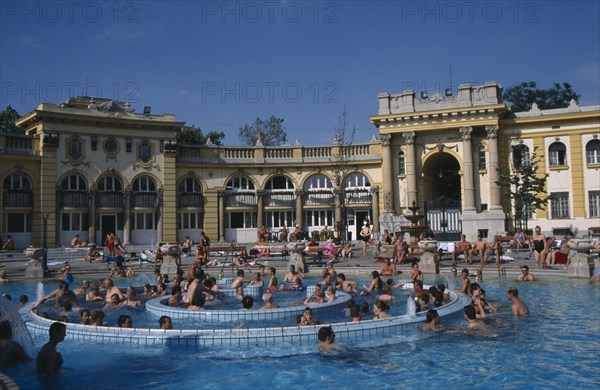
[271,132]
[344,139]
[8,117]
[523,95]
[192,135]
[524,185]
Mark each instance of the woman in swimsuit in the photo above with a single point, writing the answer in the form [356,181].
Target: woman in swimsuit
[539,246]
[365,236]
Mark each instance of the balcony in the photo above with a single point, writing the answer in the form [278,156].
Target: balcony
[18,198]
[279,199]
[240,199]
[358,197]
[318,198]
[190,199]
[16,144]
[144,199]
[110,199]
[74,199]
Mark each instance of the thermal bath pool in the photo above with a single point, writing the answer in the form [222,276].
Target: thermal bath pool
[555,347]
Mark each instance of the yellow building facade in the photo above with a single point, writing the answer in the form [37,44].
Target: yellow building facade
[93,166]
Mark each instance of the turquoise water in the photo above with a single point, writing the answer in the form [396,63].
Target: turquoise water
[557,346]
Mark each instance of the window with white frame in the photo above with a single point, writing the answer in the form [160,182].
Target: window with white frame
[356,180]
[145,221]
[190,185]
[144,184]
[241,220]
[319,218]
[520,156]
[279,183]
[559,205]
[17,181]
[592,152]
[75,221]
[401,163]
[481,155]
[277,219]
[190,220]
[17,223]
[594,201]
[557,154]
[74,183]
[318,182]
[240,183]
[110,183]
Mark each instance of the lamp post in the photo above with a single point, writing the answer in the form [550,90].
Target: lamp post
[45,217]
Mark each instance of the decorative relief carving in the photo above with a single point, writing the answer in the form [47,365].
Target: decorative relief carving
[386,140]
[388,201]
[465,132]
[492,131]
[409,137]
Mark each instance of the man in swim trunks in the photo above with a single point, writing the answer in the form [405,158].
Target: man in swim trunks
[49,361]
[111,289]
[480,248]
[462,247]
[64,298]
[519,308]
[292,275]
[525,276]
[388,268]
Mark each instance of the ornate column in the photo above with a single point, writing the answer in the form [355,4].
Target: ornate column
[127,218]
[388,174]
[159,224]
[299,216]
[469,186]
[337,201]
[260,209]
[92,216]
[493,165]
[411,168]
[221,213]
[375,203]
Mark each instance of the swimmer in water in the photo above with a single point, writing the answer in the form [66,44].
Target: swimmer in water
[327,342]
[49,361]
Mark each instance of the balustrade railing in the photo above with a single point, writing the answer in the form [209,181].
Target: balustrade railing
[279,199]
[18,198]
[74,199]
[358,197]
[234,199]
[318,198]
[191,200]
[110,199]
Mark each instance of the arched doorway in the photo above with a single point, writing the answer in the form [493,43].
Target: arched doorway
[442,182]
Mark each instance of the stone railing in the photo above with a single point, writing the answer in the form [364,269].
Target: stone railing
[16,143]
[276,154]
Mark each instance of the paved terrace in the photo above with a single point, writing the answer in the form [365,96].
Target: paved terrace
[14,265]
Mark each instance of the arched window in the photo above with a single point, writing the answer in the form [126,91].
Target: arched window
[356,180]
[190,193]
[144,184]
[190,185]
[279,183]
[318,182]
[520,156]
[240,183]
[110,183]
[481,156]
[18,182]
[557,153]
[357,189]
[73,183]
[401,163]
[592,152]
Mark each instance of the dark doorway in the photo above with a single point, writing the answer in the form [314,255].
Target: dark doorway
[108,225]
[442,177]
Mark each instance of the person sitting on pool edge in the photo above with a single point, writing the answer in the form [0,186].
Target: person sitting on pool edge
[49,361]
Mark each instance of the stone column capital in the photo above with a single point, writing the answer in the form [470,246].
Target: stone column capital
[465,132]
[492,131]
[386,140]
[409,137]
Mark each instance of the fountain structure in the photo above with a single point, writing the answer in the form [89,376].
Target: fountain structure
[428,247]
[34,269]
[169,264]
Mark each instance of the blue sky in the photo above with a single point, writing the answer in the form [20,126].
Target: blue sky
[219,65]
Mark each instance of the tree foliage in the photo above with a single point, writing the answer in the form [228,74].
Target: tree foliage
[525,187]
[523,95]
[344,138]
[192,135]
[8,117]
[271,132]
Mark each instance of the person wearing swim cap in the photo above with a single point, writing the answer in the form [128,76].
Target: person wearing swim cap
[292,275]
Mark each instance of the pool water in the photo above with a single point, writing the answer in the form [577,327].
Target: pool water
[557,346]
